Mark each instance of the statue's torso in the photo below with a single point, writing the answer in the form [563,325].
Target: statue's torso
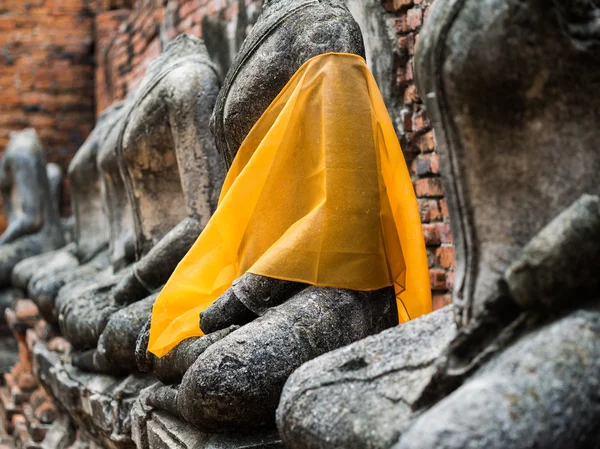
[91,227]
[511,142]
[162,190]
[115,202]
[287,34]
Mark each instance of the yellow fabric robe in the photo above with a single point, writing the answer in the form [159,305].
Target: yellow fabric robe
[319,193]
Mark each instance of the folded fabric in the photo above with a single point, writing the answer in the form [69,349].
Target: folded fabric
[319,193]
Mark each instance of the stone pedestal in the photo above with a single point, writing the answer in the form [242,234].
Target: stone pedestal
[156,429]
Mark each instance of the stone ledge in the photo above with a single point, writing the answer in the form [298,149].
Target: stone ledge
[98,404]
[153,429]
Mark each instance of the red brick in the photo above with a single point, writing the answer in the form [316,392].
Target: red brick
[414,18]
[411,95]
[427,164]
[431,234]
[450,279]
[444,207]
[445,233]
[407,44]
[429,187]
[420,121]
[440,301]
[445,257]
[437,279]
[426,142]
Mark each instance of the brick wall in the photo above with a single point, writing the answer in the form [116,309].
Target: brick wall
[46,72]
[416,134]
[129,40]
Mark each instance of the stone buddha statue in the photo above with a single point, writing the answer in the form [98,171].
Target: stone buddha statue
[232,377]
[161,178]
[507,85]
[33,221]
[44,275]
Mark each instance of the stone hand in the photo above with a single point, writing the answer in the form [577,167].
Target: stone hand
[237,378]
[250,296]
[171,368]
[129,290]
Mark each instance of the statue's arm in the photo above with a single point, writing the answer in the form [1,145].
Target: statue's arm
[190,103]
[30,218]
[154,269]
[200,167]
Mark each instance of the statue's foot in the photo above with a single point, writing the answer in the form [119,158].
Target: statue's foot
[362,395]
[84,310]
[43,288]
[236,383]
[13,253]
[171,368]
[542,392]
[115,353]
[46,264]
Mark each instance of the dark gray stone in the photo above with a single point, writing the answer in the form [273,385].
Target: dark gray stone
[249,296]
[99,405]
[91,226]
[235,384]
[161,188]
[541,392]
[84,307]
[45,275]
[116,346]
[559,263]
[285,36]
[170,368]
[43,288]
[153,429]
[46,264]
[33,221]
[507,85]
[362,395]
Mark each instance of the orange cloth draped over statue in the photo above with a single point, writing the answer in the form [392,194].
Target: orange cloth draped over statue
[319,192]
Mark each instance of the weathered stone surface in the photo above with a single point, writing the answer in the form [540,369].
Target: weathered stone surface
[33,222]
[170,368]
[236,382]
[152,429]
[167,187]
[98,404]
[8,297]
[173,172]
[83,308]
[226,384]
[541,392]
[559,263]
[362,395]
[43,289]
[503,158]
[46,264]
[250,296]
[91,226]
[116,346]
[285,36]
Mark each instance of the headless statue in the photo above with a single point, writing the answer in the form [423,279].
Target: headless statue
[161,188]
[32,210]
[507,85]
[44,275]
[232,377]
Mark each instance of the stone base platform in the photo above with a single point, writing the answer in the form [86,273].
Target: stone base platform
[112,413]
[47,403]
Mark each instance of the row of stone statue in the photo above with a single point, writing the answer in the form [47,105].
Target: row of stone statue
[516,369]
